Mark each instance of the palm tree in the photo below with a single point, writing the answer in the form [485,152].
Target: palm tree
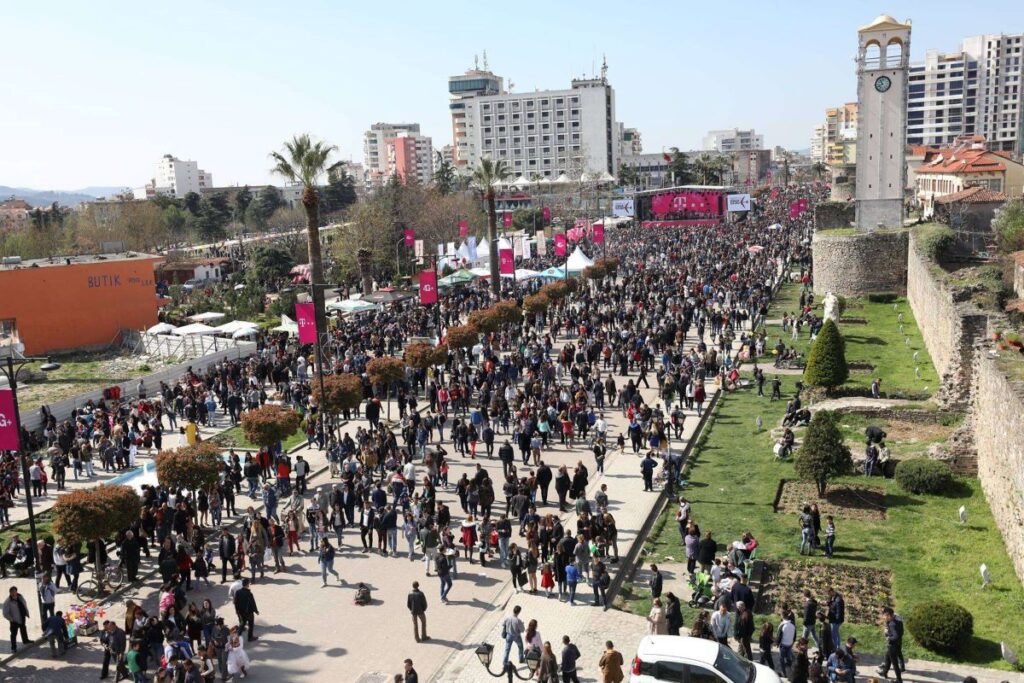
[485,176]
[305,161]
[818,168]
[705,166]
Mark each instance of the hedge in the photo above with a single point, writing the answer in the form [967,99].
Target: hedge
[941,626]
[883,297]
[462,336]
[385,370]
[921,475]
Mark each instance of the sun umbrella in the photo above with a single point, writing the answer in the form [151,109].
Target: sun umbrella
[352,306]
[459,277]
[243,332]
[234,326]
[386,296]
[161,328]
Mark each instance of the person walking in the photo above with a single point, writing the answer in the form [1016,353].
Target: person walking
[810,617]
[655,582]
[836,615]
[245,608]
[512,629]
[611,664]
[114,642]
[47,596]
[894,645]
[570,655]
[325,558]
[443,567]
[786,639]
[547,668]
[16,613]
[657,624]
[721,624]
[744,629]
[416,602]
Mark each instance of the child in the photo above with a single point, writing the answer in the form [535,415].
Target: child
[443,473]
[830,535]
[547,579]
[621,442]
[765,642]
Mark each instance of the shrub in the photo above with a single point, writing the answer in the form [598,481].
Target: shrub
[270,424]
[536,303]
[385,370]
[826,363]
[941,626]
[343,392]
[423,356]
[595,272]
[936,241]
[921,475]
[609,263]
[462,336]
[97,512]
[190,467]
[1009,226]
[883,297]
[823,455]
[485,320]
[507,312]
[557,290]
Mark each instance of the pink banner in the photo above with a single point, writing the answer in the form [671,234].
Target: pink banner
[428,287]
[546,213]
[697,223]
[9,440]
[410,237]
[559,245]
[508,261]
[305,316]
[693,202]
[463,228]
[775,193]
[506,219]
[598,233]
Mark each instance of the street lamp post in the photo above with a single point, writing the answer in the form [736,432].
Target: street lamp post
[485,651]
[11,372]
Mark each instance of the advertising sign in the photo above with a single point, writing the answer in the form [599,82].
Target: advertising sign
[508,261]
[410,237]
[428,287]
[598,233]
[463,228]
[8,431]
[622,208]
[559,245]
[738,202]
[305,316]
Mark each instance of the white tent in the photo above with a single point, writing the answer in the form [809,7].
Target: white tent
[244,332]
[579,261]
[481,272]
[526,274]
[544,181]
[236,325]
[195,328]
[161,328]
[521,181]
[561,179]
[352,306]
[206,317]
[287,325]
[605,177]
[587,177]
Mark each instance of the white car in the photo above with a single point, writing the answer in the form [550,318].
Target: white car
[681,659]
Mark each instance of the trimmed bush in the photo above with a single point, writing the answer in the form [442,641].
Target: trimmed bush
[385,370]
[462,336]
[883,297]
[941,626]
[190,467]
[921,475]
[826,363]
[536,303]
[823,455]
[99,512]
[343,392]
[270,424]
[936,241]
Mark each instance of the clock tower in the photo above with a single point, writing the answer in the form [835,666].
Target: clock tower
[883,57]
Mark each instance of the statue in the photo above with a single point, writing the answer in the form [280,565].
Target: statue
[832,307]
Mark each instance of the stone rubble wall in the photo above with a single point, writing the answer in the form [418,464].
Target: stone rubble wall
[862,263]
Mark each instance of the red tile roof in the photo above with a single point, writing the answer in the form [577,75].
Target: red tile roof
[15,205]
[955,161]
[973,195]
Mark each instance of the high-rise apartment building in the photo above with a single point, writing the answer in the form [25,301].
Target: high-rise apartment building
[543,133]
[376,156]
[175,178]
[976,91]
[732,140]
[630,143]
[818,143]
[410,157]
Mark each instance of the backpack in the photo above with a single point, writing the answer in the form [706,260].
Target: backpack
[363,596]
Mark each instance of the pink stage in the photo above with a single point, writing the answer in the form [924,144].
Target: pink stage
[695,223]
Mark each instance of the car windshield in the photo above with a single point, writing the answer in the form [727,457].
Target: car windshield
[732,667]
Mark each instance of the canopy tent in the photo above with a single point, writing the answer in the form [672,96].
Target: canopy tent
[480,272]
[238,287]
[195,328]
[206,317]
[561,179]
[236,325]
[288,325]
[526,274]
[553,273]
[579,261]
[605,177]
[386,296]
[459,277]
[161,328]
[243,332]
[521,181]
[755,248]
[353,306]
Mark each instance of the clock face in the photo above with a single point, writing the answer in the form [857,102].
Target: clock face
[882,83]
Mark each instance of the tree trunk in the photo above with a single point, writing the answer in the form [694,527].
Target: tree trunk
[492,239]
[311,203]
[822,485]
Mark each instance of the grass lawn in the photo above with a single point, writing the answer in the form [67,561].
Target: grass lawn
[235,438]
[44,528]
[877,342]
[930,554]
[79,373]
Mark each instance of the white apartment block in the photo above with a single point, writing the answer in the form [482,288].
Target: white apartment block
[176,178]
[818,143]
[732,140]
[976,91]
[375,149]
[474,83]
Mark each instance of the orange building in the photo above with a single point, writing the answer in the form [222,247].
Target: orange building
[79,302]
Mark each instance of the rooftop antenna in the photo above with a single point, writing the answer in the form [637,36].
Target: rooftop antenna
[604,67]
[476,62]
[511,84]
[485,60]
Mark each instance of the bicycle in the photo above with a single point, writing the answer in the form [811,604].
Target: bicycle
[106,580]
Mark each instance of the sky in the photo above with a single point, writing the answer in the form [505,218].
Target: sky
[94,93]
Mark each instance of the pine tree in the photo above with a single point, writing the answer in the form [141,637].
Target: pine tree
[823,455]
[826,363]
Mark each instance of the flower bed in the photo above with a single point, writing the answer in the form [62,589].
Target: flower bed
[843,501]
[866,590]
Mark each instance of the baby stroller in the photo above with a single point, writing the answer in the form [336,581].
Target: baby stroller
[703,596]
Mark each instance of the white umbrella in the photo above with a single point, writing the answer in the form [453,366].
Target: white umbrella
[195,328]
[352,306]
[206,317]
[161,328]
[235,326]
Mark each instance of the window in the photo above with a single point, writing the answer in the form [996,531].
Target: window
[698,674]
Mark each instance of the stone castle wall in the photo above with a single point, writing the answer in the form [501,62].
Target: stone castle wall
[861,263]
[828,215]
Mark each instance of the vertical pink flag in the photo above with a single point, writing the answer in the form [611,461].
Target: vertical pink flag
[410,237]
[506,219]
[463,228]
[546,213]
[9,440]
[305,316]
[598,233]
[560,245]
[508,261]
[775,192]
[428,287]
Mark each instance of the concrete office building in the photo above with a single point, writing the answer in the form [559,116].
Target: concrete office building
[175,178]
[732,140]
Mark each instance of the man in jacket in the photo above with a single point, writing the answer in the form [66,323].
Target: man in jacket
[836,614]
[744,629]
[570,655]
[611,664]
[544,478]
[810,617]
[114,643]
[131,553]
[741,591]
[512,629]
[417,604]
[894,645]
[507,455]
[655,582]
[706,552]
[47,596]
[245,608]
[721,624]
[16,613]
[226,553]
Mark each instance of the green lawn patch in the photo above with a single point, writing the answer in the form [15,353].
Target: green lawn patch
[235,438]
[878,344]
[920,551]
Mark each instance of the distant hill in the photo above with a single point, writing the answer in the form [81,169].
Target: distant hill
[63,197]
